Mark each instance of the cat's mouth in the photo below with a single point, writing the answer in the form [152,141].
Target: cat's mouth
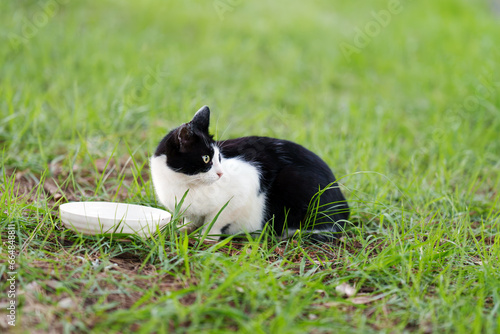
[216,176]
[208,178]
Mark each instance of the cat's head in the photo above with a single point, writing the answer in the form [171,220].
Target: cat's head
[191,151]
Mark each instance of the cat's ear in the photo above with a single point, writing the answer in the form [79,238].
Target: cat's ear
[184,135]
[201,119]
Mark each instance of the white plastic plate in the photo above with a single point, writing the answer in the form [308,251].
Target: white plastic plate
[108,218]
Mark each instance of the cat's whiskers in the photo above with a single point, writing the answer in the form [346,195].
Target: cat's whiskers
[224,132]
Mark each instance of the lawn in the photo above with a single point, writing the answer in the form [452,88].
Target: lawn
[400,98]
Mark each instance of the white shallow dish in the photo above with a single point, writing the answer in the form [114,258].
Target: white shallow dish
[108,218]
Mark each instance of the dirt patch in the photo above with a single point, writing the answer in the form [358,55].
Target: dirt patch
[111,177]
[60,289]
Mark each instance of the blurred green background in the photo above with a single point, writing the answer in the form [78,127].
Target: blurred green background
[412,94]
[403,88]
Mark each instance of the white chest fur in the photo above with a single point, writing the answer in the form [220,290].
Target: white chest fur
[239,187]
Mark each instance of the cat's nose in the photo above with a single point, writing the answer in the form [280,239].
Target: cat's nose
[219,174]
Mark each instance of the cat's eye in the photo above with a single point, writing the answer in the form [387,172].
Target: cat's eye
[206,159]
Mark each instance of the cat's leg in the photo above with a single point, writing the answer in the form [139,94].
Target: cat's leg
[218,229]
[190,224]
[183,225]
[215,233]
[223,229]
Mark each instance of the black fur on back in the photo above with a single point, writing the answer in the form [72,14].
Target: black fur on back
[290,176]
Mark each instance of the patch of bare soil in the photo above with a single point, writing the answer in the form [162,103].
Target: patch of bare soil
[58,185]
[61,289]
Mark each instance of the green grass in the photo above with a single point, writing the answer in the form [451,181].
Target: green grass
[409,123]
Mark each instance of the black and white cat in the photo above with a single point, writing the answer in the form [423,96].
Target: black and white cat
[262,180]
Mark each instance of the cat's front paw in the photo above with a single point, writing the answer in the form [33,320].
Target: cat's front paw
[214,234]
[188,225]
[183,225]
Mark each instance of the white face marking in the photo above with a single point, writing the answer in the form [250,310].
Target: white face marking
[216,172]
